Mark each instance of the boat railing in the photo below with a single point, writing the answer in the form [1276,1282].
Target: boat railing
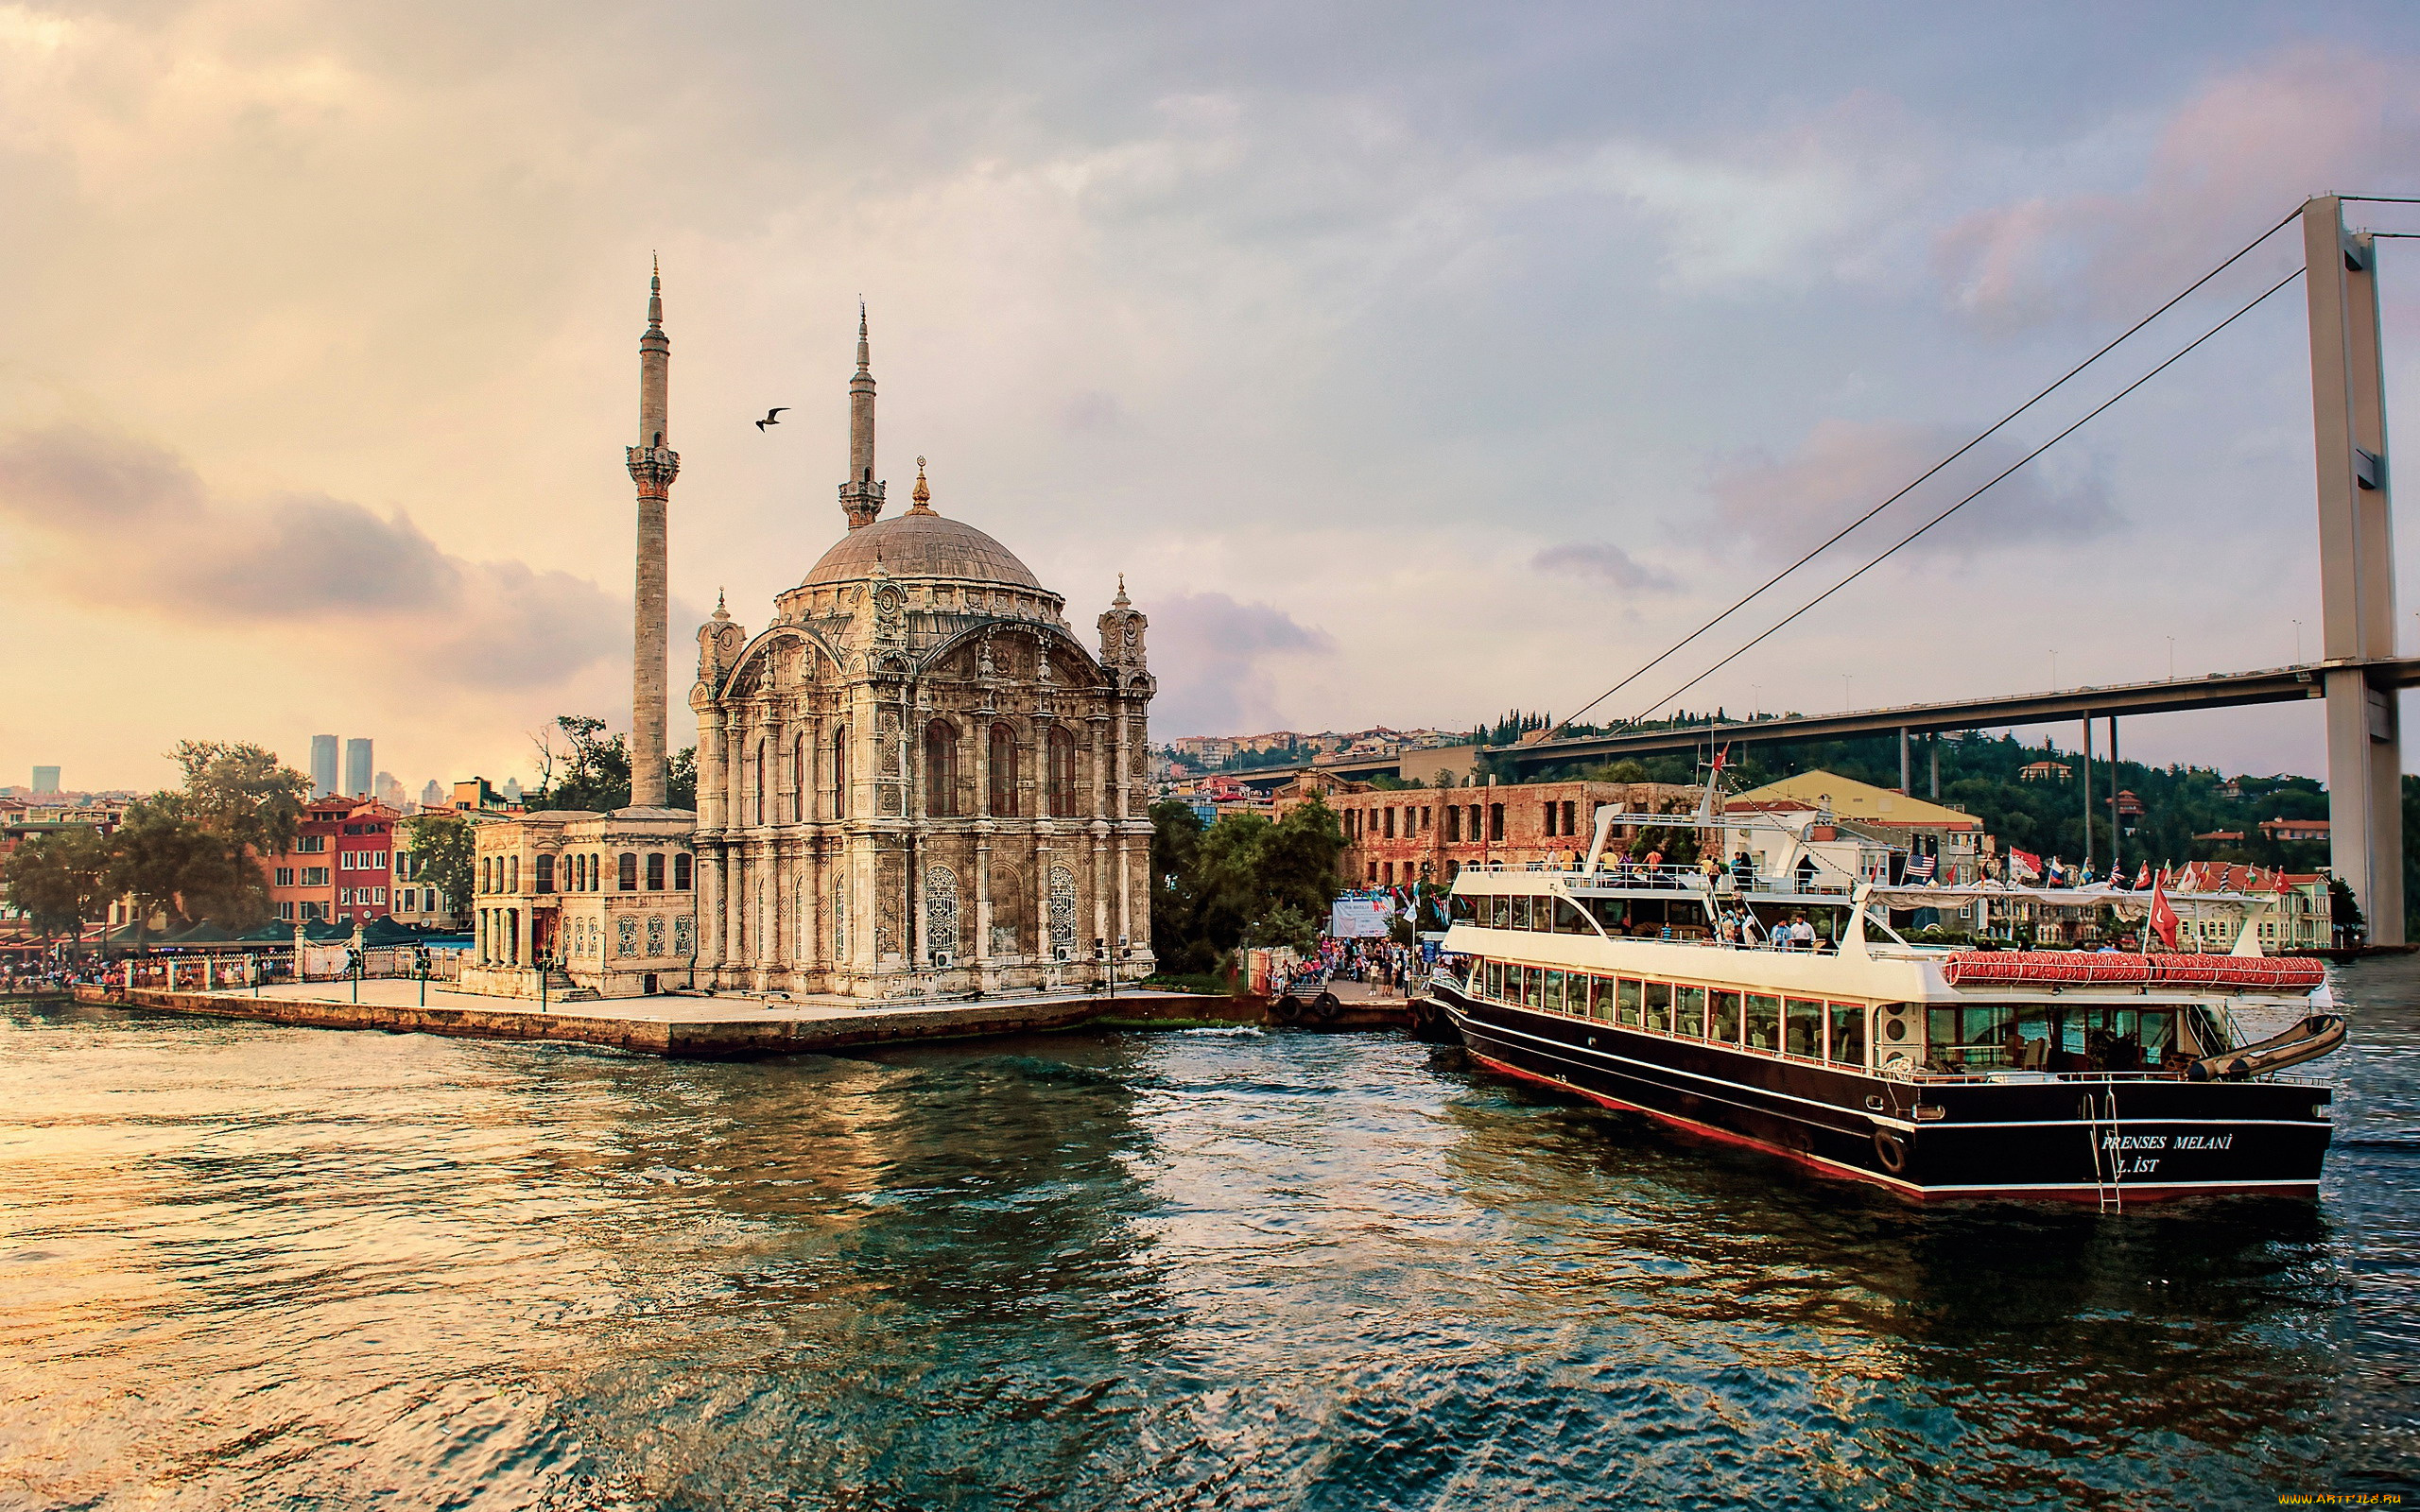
[2014,1076]
[1674,878]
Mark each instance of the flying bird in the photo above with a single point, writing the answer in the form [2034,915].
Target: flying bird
[768,418]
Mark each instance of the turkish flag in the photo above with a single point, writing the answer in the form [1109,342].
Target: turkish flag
[2163,917]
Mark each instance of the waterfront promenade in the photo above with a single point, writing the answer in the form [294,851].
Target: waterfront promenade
[721,1027]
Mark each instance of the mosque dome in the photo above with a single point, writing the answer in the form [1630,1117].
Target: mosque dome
[921,543]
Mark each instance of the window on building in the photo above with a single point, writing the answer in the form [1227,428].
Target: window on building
[1389,820]
[1567,819]
[311,844]
[655,871]
[286,911]
[1373,872]
[628,871]
[1063,773]
[1387,872]
[344,895]
[1549,822]
[761,815]
[1495,821]
[681,871]
[315,876]
[544,868]
[1453,823]
[798,779]
[941,769]
[286,876]
[1002,773]
[512,873]
[840,773]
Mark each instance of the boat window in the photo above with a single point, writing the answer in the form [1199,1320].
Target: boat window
[1848,1033]
[1724,1008]
[1600,998]
[1970,1038]
[1659,1005]
[1610,912]
[2209,1035]
[1764,1021]
[1626,1002]
[2117,1039]
[1803,1028]
[1459,909]
[1688,1016]
[1499,913]
[1554,991]
[1568,919]
[1533,986]
[1495,980]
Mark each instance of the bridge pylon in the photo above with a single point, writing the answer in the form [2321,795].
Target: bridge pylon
[2356,566]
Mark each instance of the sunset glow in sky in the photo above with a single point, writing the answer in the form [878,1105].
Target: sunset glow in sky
[1412,362]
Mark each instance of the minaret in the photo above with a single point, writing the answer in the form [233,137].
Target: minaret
[653,466]
[861,496]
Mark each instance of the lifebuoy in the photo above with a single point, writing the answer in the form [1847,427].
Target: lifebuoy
[1287,1010]
[1889,1149]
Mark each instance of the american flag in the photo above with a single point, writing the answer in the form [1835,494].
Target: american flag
[1920,868]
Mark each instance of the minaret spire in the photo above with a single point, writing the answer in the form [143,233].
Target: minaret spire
[653,466]
[861,496]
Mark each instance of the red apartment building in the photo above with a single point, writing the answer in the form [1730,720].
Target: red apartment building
[341,865]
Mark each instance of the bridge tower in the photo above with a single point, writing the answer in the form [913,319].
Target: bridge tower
[2356,566]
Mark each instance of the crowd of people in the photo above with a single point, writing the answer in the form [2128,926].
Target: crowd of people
[1379,962]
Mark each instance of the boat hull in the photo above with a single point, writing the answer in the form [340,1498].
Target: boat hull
[2048,1138]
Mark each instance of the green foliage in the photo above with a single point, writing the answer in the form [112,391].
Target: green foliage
[240,793]
[169,864]
[1242,880]
[447,848]
[61,880]
[592,771]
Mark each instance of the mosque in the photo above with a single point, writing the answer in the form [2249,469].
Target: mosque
[913,781]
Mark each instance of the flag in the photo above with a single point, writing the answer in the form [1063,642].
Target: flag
[1721,759]
[2143,877]
[2283,886]
[2163,918]
[1919,869]
[2024,865]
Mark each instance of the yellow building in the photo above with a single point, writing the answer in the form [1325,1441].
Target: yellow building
[1954,837]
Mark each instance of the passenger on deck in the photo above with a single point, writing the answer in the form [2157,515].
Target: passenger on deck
[1743,871]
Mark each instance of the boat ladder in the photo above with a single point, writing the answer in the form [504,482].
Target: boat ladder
[2109,1154]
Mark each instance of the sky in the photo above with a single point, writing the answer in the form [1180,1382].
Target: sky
[1412,363]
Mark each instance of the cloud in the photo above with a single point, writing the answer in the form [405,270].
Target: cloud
[1605,563]
[120,523]
[1779,507]
[2243,150]
[1215,654]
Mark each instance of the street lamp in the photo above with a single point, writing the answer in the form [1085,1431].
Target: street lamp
[2172,658]
[2298,643]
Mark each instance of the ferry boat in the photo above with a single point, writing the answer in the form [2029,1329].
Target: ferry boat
[1693,996]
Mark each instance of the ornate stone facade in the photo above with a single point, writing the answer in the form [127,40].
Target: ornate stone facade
[916,780]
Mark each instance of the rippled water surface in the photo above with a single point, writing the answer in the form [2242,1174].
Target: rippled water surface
[243,1265]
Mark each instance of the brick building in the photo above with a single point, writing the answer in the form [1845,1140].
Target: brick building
[1419,834]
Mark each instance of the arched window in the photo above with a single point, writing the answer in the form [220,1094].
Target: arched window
[798,779]
[545,873]
[629,870]
[760,782]
[487,873]
[512,873]
[1003,773]
[941,769]
[840,773]
[655,871]
[1063,772]
[681,872]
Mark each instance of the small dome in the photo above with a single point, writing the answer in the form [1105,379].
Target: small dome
[921,544]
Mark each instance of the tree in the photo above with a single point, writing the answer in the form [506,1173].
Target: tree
[1242,880]
[448,852]
[1176,892]
[592,772]
[155,852]
[61,880]
[238,792]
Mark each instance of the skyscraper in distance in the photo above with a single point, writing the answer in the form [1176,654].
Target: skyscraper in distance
[45,779]
[356,768]
[324,766]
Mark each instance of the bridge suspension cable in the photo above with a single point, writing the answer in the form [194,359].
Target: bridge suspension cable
[1977,440]
[1944,514]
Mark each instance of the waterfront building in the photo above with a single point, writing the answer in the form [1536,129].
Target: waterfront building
[915,779]
[1884,815]
[604,904]
[339,867]
[1425,834]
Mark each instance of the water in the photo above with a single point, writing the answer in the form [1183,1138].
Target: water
[242,1265]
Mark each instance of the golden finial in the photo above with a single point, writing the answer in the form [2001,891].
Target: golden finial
[924,496]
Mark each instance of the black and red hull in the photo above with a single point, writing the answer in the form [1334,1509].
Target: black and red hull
[2087,1138]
